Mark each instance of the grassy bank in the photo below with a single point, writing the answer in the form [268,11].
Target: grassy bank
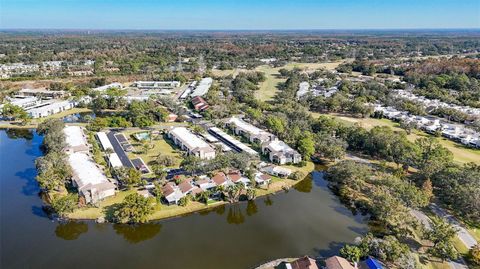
[165,211]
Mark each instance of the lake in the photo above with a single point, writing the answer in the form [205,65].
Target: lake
[306,220]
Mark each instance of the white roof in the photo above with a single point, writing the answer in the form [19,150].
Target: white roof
[251,129]
[202,87]
[74,136]
[303,89]
[279,146]
[109,86]
[22,101]
[102,137]
[85,171]
[189,139]
[114,160]
[234,141]
[52,106]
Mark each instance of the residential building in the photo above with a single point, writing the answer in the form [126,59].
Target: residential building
[140,165]
[104,141]
[301,263]
[199,103]
[114,161]
[337,262]
[87,177]
[206,184]
[303,89]
[23,102]
[251,132]
[172,193]
[48,109]
[108,86]
[277,171]
[43,93]
[202,87]
[186,188]
[191,143]
[156,85]
[236,177]
[75,139]
[281,153]
[230,141]
[220,179]
[262,179]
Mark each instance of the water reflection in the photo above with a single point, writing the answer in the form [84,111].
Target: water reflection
[137,233]
[235,215]
[252,208]
[31,185]
[71,230]
[268,201]
[19,134]
[305,185]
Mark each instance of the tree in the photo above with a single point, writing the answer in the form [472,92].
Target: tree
[165,160]
[251,193]
[184,201]
[330,147]
[306,146]
[351,253]
[204,196]
[157,191]
[433,156]
[134,209]
[275,124]
[297,175]
[14,112]
[128,176]
[64,204]
[441,235]
[475,254]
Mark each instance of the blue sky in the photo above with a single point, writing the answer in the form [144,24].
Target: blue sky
[240,14]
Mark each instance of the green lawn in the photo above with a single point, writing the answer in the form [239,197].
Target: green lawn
[160,146]
[268,88]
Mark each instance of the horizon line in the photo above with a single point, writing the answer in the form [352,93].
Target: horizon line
[236,29]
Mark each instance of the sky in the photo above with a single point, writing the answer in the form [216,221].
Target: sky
[239,15]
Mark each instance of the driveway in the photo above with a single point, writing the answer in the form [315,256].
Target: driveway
[119,150]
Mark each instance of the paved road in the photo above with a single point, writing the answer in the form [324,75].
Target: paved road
[425,220]
[119,150]
[462,233]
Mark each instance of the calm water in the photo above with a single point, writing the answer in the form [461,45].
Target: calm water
[307,220]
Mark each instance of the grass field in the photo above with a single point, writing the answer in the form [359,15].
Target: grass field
[160,146]
[268,88]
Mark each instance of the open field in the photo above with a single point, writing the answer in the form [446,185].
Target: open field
[268,88]
[159,146]
[461,153]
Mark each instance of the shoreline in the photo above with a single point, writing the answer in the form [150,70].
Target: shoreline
[195,207]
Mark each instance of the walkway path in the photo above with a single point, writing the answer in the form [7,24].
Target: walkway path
[425,220]
[462,233]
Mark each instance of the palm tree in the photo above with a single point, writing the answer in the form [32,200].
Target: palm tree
[204,196]
[251,193]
